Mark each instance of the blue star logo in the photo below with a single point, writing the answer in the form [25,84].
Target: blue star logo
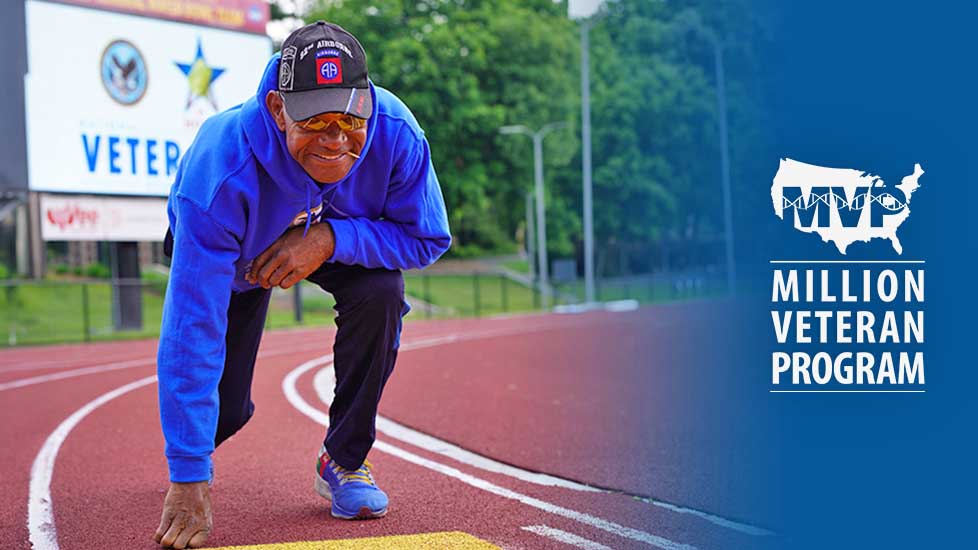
[200,76]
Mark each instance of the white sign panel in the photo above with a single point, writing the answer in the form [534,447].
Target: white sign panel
[580,9]
[80,218]
[114,100]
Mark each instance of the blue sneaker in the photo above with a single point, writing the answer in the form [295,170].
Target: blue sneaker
[353,493]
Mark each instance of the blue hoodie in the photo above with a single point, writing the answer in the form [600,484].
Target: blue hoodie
[238,190]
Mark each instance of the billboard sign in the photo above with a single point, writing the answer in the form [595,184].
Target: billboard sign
[239,15]
[87,218]
[113,100]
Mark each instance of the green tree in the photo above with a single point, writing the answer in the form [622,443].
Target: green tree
[466,68]
[655,140]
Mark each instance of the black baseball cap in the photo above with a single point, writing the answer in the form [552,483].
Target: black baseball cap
[324,70]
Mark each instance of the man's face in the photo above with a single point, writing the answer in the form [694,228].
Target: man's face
[327,153]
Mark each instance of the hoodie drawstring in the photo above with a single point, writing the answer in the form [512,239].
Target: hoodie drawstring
[308,213]
[327,201]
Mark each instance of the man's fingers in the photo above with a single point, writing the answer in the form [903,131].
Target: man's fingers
[265,271]
[292,279]
[259,262]
[280,274]
[172,533]
[165,520]
[198,540]
[190,530]
[267,253]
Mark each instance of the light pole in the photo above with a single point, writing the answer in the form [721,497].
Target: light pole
[538,185]
[691,21]
[586,163]
[528,236]
[584,11]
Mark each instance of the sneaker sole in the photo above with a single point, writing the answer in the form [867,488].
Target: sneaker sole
[365,513]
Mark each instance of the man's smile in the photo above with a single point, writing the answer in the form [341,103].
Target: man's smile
[329,157]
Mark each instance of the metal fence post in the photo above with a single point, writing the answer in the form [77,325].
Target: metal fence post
[477,298]
[86,320]
[12,336]
[502,289]
[427,294]
[297,302]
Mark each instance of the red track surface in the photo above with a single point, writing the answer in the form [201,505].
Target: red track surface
[606,399]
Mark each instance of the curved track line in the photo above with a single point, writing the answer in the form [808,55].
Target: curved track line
[40,511]
[324,382]
[96,369]
[318,416]
[563,536]
[586,519]
[40,516]
[20,383]
[745,528]
[26,364]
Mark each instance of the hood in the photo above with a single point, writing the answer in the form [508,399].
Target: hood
[267,142]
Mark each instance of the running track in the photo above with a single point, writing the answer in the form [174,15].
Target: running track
[537,431]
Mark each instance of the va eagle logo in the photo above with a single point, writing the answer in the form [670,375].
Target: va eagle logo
[840,204]
[123,72]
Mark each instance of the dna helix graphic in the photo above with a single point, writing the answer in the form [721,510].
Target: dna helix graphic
[832,199]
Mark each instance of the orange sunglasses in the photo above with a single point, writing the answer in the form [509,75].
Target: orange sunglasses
[347,123]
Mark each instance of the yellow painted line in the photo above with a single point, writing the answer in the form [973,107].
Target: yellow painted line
[454,540]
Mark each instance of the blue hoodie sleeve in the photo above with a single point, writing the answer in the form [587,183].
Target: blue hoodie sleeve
[414,230]
[192,349]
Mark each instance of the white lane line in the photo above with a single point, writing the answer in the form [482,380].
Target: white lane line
[717,520]
[300,404]
[29,364]
[565,537]
[40,511]
[30,381]
[324,382]
[586,519]
[76,372]
[146,361]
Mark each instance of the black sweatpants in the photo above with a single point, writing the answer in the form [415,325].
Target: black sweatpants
[369,305]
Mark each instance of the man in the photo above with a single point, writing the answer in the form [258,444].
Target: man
[318,143]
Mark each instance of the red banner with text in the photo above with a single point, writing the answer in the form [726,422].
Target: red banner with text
[240,15]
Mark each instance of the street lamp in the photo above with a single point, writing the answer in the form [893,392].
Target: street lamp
[538,185]
[585,10]
[690,20]
[528,235]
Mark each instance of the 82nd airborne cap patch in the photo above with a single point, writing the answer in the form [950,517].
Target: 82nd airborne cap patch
[323,69]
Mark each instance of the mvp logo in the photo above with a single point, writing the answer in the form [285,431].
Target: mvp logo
[825,206]
[842,205]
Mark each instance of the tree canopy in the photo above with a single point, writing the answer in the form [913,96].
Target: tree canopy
[468,67]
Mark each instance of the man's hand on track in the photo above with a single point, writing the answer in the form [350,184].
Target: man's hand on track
[186,520]
[292,257]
